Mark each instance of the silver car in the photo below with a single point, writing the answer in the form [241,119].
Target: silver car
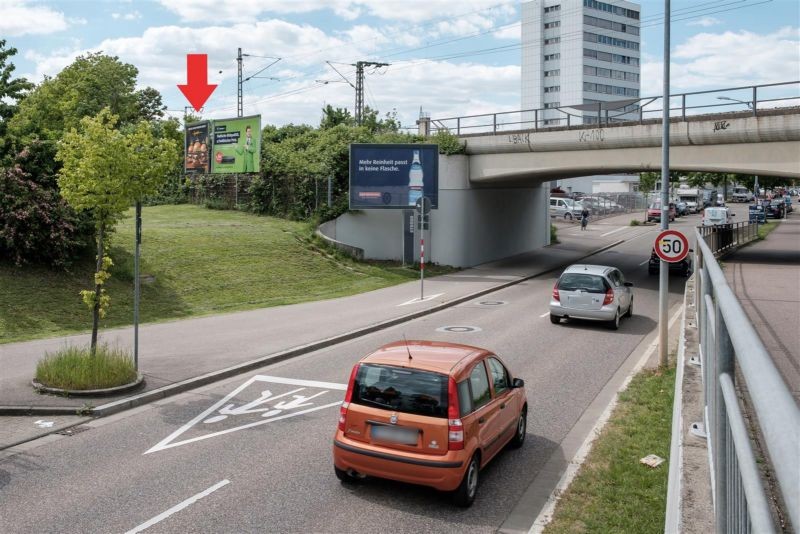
[594,292]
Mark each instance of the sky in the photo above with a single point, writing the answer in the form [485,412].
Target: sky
[447,57]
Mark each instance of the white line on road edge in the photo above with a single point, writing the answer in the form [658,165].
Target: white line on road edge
[546,514]
[613,231]
[425,299]
[544,315]
[645,261]
[179,507]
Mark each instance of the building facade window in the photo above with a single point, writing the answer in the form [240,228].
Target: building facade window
[551,105]
[549,57]
[552,40]
[552,122]
[612,58]
[554,24]
[554,72]
[611,41]
[551,9]
[610,73]
[610,25]
[608,8]
[609,89]
[552,89]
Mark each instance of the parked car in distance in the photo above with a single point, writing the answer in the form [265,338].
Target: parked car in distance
[715,216]
[720,200]
[741,194]
[594,292]
[683,267]
[428,413]
[654,211]
[601,205]
[681,208]
[756,213]
[565,207]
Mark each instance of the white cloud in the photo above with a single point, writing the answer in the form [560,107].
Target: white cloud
[705,22]
[133,15]
[708,60]
[405,10]
[509,31]
[21,17]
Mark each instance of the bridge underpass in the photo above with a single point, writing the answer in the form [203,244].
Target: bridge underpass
[493,201]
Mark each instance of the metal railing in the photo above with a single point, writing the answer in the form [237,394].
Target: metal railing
[753,99]
[723,238]
[729,343]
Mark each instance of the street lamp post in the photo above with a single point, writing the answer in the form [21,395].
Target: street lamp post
[745,102]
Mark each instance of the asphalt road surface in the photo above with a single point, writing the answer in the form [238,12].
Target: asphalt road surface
[253,453]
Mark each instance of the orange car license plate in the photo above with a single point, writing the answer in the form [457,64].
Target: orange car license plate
[394,434]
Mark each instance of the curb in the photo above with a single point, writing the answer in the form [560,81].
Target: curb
[214,376]
[41,388]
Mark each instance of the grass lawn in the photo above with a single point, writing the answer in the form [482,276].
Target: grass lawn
[613,492]
[196,262]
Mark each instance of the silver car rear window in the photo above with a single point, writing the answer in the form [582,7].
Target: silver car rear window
[590,283]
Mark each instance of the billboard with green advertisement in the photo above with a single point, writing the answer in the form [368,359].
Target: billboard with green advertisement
[234,146]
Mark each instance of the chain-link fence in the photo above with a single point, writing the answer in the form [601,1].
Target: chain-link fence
[227,191]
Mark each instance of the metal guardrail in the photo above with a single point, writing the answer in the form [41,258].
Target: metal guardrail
[723,238]
[729,342]
[753,98]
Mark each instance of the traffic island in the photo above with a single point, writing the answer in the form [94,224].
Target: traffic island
[81,371]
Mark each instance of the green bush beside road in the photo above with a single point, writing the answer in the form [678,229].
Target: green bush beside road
[194,262]
[613,492]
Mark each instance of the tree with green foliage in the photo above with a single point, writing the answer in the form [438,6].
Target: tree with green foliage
[335,116]
[12,90]
[104,171]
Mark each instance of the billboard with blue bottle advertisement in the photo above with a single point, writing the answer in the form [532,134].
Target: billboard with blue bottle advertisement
[393,176]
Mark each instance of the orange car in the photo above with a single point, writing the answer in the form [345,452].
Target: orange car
[428,413]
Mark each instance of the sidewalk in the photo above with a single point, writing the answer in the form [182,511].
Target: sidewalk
[766,278]
[181,355]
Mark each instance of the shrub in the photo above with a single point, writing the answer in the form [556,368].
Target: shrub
[553,234]
[36,224]
[75,368]
[635,222]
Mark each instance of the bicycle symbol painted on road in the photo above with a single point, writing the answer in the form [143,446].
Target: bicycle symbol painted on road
[268,406]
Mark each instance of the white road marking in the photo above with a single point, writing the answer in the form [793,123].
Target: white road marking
[613,231]
[179,507]
[544,315]
[417,301]
[167,443]
[645,261]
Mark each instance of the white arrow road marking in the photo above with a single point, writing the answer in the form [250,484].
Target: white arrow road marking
[544,315]
[179,507]
[425,299]
[226,408]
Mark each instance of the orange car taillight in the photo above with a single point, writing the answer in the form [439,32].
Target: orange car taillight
[455,428]
[609,297]
[348,396]
[556,296]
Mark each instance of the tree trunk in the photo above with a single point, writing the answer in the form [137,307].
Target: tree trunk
[97,288]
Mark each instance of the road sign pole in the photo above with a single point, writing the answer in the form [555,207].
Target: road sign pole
[663,278]
[136,286]
[421,264]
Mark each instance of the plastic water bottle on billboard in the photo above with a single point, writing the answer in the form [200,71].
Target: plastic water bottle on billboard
[415,183]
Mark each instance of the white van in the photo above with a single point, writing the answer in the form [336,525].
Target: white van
[715,216]
[565,207]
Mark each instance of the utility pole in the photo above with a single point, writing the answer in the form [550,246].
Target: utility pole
[239,103]
[663,278]
[359,65]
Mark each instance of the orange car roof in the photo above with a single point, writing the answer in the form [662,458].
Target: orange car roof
[438,356]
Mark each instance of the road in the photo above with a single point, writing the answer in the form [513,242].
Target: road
[249,472]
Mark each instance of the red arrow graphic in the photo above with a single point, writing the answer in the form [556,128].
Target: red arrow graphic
[197,90]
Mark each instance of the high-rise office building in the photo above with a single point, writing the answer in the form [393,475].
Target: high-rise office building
[580,53]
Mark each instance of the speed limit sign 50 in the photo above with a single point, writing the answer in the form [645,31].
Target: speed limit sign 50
[671,246]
